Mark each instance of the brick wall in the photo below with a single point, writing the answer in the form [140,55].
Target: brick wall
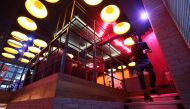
[173,46]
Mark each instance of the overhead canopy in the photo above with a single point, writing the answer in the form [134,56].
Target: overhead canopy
[14,43]
[27,23]
[8,55]
[36,8]
[19,36]
[10,50]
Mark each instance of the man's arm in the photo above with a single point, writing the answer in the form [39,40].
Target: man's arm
[146,49]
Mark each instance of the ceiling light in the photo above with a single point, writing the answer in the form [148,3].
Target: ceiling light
[132,64]
[121,28]
[34,49]
[113,70]
[14,43]
[42,58]
[27,23]
[29,55]
[45,54]
[7,55]
[144,15]
[110,13]
[120,67]
[93,2]
[10,50]
[70,55]
[20,50]
[40,43]
[36,8]
[24,60]
[52,1]
[19,36]
[129,41]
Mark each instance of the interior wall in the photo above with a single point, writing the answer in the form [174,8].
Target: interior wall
[157,59]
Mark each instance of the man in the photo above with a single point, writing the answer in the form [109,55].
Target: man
[139,52]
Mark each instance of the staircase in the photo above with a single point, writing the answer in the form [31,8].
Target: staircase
[163,101]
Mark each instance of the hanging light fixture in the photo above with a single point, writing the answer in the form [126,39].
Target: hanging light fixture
[132,64]
[93,2]
[120,67]
[52,1]
[112,70]
[29,55]
[121,28]
[40,43]
[45,54]
[129,41]
[24,60]
[8,55]
[10,50]
[14,43]
[110,13]
[27,23]
[34,49]
[36,8]
[19,36]
[70,55]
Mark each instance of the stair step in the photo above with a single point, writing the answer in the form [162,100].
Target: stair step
[162,97]
[172,102]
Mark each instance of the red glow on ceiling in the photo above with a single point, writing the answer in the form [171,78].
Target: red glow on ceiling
[122,46]
[105,27]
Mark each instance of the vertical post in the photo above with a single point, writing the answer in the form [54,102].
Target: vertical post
[94,56]
[45,73]
[35,69]
[104,79]
[2,66]
[21,78]
[112,77]
[123,76]
[63,59]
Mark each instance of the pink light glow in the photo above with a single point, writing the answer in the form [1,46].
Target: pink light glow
[104,27]
[120,44]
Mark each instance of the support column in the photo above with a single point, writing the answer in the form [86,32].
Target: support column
[173,46]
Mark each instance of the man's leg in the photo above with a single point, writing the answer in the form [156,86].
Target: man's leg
[149,69]
[140,74]
[141,77]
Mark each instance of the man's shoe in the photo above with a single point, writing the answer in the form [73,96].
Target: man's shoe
[147,97]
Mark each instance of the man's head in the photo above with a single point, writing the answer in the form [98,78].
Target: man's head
[135,38]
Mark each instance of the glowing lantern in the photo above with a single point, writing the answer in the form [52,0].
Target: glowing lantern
[41,58]
[113,70]
[14,43]
[34,49]
[10,50]
[70,55]
[27,23]
[132,64]
[40,43]
[7,55]
[93,2]
[29,55]
[23,60]
[121,28]
[36,8]
[129,41]
[45,54]
[19,36]
[120,67]
[110,13]
[52,1]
